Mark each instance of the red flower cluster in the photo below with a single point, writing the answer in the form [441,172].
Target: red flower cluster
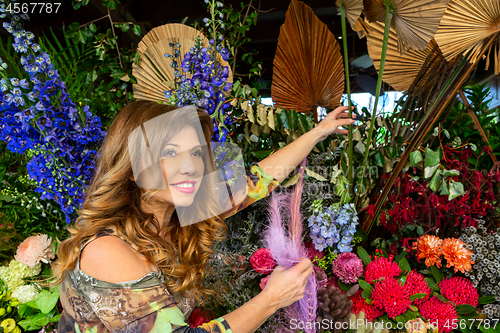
[416,284]
[413,202]
[390,296]
[359,304]
[199,317]
[262,261]
[381,267]
[437,312]
[459,290]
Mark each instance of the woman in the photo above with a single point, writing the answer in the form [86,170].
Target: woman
[129,265]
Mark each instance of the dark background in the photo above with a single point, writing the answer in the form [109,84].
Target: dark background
[264,36]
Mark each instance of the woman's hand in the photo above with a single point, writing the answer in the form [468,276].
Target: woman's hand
[286,286]
[331,123]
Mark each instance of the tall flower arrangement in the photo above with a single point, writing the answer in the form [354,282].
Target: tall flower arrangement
[38,117]
[208,83]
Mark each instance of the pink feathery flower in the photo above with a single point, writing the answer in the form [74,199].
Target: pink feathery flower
[459,290]
[381,267]
[440,314]
[390,296]
[347,267]
[35,249]
[416,284]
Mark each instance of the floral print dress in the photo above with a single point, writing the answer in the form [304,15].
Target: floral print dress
[144,305]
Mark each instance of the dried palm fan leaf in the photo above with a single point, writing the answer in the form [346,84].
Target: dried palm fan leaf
[362,27]
[415,21]
[467,25]
[308,69]
[353,9]
[400,69]
[153,72]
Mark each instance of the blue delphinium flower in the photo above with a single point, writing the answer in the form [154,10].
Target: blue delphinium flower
[39,117]
[333,226]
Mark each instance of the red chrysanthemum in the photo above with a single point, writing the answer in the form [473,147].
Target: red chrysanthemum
[416,284]
[390,296]
[442,315]
[381,267]
[359,304]
[459,290]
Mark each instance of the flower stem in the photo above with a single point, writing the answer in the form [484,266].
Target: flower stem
[350,171]
[388,17]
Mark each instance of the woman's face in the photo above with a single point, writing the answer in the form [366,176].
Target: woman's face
[183,168]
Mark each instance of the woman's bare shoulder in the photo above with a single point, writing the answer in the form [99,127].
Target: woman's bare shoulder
[110,259]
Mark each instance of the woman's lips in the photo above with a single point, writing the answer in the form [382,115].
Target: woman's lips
[185,187]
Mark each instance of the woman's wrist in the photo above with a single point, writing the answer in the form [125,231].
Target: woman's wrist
[265,301]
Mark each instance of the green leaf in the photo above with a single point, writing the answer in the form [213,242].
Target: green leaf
[442,298]
[436,273]
[125,27]
[40,320]
[487,299]
[420,230]
[303,123]
[456,190]
[417,296]
[47,300]
[415,158]
[80,37]
[366,294]
[465,308]
[365,285]
[74,26]
[363,255]
[444,189]
[453,172]
[435,181]
[432,158]
[400,256]
[343,286]
[430,282]
[379,159]
[137,30]
[92,27]
[429,171]
[404,265]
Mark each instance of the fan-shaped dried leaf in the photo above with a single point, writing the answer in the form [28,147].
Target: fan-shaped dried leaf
[415,21]
[153,72]
[308,67]
[353,9]
[467,25]
[400,69]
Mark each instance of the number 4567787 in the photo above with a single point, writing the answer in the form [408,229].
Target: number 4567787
[33,7]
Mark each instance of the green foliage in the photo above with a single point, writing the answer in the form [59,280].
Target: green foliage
[459,124]
[40,312]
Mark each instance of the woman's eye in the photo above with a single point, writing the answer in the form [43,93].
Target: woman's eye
[198,153]
[169,153]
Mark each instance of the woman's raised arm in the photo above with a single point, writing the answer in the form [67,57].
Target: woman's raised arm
[281,163]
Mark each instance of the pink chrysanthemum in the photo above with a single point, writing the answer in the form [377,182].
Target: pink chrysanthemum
[459,290]
[35,249]
[359,304]
[321,282]
[347,267]
[439,314]
[381,267]
[390,296]
[416,284]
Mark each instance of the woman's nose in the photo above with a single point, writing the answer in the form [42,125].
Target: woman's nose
[188,165]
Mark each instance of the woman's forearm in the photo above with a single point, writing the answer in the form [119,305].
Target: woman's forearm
[282,162]
[249,317]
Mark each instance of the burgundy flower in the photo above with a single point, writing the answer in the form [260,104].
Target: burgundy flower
[199,317]
[262,261]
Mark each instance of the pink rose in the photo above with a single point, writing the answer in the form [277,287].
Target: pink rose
[262,261]
[35,249]
[263,282]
